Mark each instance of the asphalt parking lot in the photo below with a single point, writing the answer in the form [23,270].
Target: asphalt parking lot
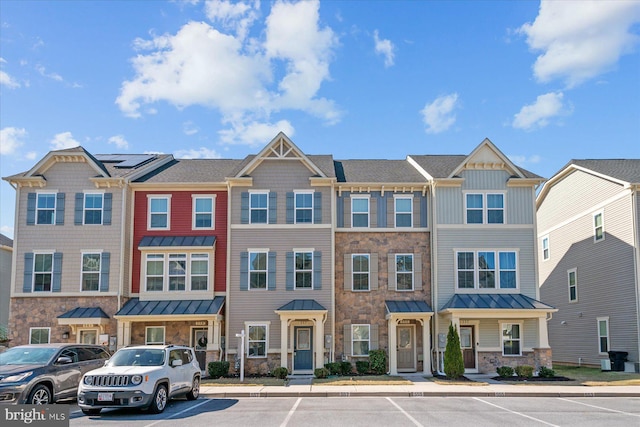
[378,411]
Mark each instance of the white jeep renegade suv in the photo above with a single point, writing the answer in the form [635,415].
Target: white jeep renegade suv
[144,376]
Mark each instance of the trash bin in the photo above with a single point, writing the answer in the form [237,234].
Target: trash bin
[617,360]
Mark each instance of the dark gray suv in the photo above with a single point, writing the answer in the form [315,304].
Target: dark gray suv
[45,373]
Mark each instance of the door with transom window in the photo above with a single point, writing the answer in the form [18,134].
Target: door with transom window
[467,344]
[303,348]
[406,348]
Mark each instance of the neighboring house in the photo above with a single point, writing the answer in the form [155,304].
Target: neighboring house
[6,256]
[280,277]
[71,253]
[589,259]
[383,259]
[485,282]
[178,258]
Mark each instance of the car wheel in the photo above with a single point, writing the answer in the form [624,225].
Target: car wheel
[93,411]
[195,389]
[159,401]
[40,395]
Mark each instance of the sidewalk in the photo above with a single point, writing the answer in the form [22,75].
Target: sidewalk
[419,387]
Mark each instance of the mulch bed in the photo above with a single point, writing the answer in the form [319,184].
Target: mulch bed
[532,379]
[446,378]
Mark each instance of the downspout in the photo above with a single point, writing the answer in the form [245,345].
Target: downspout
[227,292]
[636,259]
[434,279]
[334,216]
[123,224]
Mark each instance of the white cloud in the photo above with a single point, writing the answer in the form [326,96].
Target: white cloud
[63,140]
[439,115]
[11,139]
[6,79]
[385,48]
[254,133]
[240,76]
[7,230]
[119,141]
[53,76]
[189,128]
[522,160]
[201,153]
[538,114]
[580,40]
[31,155]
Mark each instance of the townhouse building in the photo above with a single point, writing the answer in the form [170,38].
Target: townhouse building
[589,257]
[6,267]
[70,247]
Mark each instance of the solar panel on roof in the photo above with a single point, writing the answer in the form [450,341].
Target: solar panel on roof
[126,160]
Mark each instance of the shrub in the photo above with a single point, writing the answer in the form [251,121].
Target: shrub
[505,371]
[545,372]
[362,366]
[280,372]
[524,371]
[346,368]
[453,363]
[333,368]
[321,373]
[218,369]
[378,361]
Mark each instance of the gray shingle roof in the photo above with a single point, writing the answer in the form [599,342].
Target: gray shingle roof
[84,313]
[627,170]
[441,166]
[408,307]
[495,301]
[302,305]
[135,307]
[192,170]
[377,171]
[5,241]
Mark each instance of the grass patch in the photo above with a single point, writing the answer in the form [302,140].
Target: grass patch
[362,380]
[596,377]
[248,382]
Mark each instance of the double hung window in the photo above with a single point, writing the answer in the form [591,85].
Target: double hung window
[258,208]
[485,208]
[603,335]
[257,341]
[91,271]
[39,335]
[404,211]
[360,271]
[258,270]
[46,208]
[360,212]
[598,227]
[572,281]
[93,204]
[511,339]
[203,212]
[304,208]
[404,272]
[360,340]
[159,213]
[42,272]
[304,270]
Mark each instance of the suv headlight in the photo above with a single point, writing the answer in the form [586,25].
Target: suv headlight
[88,380]
[136,379]
[16,378]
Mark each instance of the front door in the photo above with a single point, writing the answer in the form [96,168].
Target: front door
[303,349]
[199,343]
[406,349]
[467,344]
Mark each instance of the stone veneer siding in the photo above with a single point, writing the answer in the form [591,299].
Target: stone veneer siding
[43,312]
[488,361]
[369,307]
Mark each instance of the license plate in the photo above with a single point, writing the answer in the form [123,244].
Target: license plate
[105,397]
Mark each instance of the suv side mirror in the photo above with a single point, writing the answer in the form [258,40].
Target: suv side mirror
[63,360]
[176,362]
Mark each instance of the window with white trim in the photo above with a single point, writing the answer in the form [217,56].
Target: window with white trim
[603,335]
[484,208]
[572,281]
[159,212]
[39,335]
[257,340]
[203,211]
[511,339]
[545,248]
[88,336]
[303,270]
[403,211]
[42,272]
[93,205]
[360,212]
[360,340]
[258,270]
[304,207]
[154,335]
[486,270]
[91,271]
[258,207]
[404,272]
[46,208]
[598,226]
[361,271]
[180,271]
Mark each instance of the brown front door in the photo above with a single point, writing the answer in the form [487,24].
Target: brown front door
[467,344]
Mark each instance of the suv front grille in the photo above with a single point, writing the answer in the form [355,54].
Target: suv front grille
[111,380]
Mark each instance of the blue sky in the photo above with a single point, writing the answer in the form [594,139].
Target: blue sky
[545,81]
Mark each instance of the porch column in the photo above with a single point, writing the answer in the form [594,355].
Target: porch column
[124,333]
[318,345]
[426,347]
[284,341]
[211,335]
[393,346]
[543,332]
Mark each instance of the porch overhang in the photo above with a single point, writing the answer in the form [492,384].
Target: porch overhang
[160,242]
[408,310]
[496,305]
[136,310]
[84,316]
[301,307]
[399,312]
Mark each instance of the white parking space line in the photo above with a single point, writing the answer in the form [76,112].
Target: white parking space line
[600,407]
[290,414]
[179,413]
[413,420]
[515,412]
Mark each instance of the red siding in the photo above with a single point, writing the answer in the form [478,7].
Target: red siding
[181,217]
